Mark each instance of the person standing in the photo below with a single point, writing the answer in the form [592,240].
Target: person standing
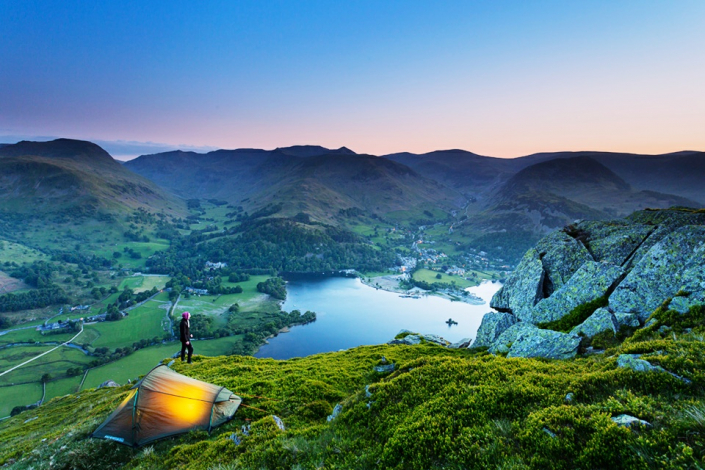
[186,336]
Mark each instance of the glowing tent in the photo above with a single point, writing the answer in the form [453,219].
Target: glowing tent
[165,403]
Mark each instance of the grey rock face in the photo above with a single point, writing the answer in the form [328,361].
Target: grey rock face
[108,383]
[384,369]
[493,324]
[542,271]
[463,343]
[628,319]
[336,411]
[561,256]
[436,340]
[673,263]
[509,336]
[613,241]
[682,304]
[601,320]
[523,288]
[632,361]
[408,340]
[628,421]
[545,343]
[591,281]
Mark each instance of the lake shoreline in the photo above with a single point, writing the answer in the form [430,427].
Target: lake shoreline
[387,285]
[353,313]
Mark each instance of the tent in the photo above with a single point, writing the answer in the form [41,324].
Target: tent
[165,403]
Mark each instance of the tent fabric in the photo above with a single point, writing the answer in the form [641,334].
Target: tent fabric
[165,403]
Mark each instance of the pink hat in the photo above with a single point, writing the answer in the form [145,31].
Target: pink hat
[186,315]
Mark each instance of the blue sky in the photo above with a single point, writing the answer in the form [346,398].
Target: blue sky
[504,78]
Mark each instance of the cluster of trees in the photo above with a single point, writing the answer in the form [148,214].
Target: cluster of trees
[254,336]
[37,298]
[274,244]
[273,286]
[135,236]
[74,371]
[37,274]
[238,277]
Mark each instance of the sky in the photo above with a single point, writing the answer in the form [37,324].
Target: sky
[504,78]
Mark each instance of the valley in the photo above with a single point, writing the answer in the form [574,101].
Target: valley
[112,273]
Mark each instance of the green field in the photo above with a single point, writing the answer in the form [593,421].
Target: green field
[145,249]
[217,306]
[143,322]
[143,283]
[18,395]
[61,387]
[10,251]
[427,275]
[140,362]
[54,363]
[130,367]
[32,335]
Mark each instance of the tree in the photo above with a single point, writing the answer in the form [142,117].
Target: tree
[46,378]
[439,276]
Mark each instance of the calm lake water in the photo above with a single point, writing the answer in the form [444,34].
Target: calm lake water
[351,314]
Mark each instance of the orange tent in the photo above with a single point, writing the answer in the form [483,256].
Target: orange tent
[165,403]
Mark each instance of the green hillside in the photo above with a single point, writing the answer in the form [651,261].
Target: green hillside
[441,408]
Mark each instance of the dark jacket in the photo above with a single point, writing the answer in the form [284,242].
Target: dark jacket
[185,331]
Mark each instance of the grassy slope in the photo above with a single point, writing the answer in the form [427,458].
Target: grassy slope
[441,408]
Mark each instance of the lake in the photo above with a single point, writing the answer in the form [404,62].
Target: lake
[351,314]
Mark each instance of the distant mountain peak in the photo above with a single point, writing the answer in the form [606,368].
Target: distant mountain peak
[58,148]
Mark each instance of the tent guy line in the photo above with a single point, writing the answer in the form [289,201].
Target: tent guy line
[42,354]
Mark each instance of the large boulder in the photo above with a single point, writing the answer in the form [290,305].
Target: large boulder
[676,262]
[509,336]
[615,240]
[591,281]
[540,272]
[683,303]
[561,256]
[601,320]
[545,343]
[628,319]
[493,324]
[523,288]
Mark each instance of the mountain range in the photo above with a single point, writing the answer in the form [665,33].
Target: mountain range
[76,177]
[524,197]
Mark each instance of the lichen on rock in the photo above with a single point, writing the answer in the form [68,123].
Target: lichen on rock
[545,343]
[601,320]
[676,261]
[493,324]
[591,281]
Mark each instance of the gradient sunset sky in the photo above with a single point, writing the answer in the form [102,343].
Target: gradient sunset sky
[500,78]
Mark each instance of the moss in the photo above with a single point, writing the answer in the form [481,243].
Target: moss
[441,408]
[576,316]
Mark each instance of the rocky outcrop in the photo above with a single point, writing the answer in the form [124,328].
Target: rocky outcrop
[546,344]
[561,256]
[411,339]
[591,281]
[509,336]
[676,262]
[614,241]
[628,421]
[634,362]
[493,324]
[463,343]
[627,319]
[524,287]
[601,320]
[109,384]
[683,303]
[542,271]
